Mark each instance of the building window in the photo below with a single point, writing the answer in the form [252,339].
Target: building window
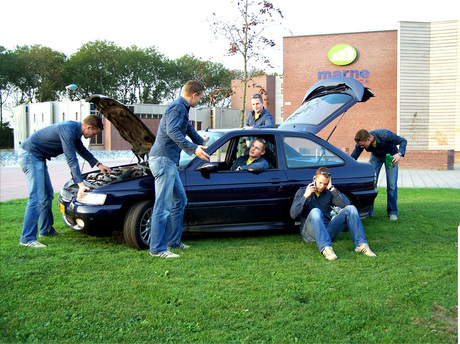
[97,140]
[198,125]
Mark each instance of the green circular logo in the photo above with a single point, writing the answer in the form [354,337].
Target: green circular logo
[342,54]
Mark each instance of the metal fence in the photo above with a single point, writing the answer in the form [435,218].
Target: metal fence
[10,158]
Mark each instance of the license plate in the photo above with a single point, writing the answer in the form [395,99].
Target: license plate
[61,208]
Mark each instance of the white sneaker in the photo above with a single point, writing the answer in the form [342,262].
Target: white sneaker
[35,244]
[329,253]
[393,217]
[364,248]
[165,254]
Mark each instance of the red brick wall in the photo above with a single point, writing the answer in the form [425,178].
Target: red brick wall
[113,140]
[428,160]
[265,85]
[423,159]
[305,56]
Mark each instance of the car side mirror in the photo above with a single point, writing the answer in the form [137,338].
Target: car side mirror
[209,167]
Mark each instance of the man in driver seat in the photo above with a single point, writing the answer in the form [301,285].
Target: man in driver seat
[253,162]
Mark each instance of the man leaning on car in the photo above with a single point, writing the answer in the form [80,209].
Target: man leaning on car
[44,144]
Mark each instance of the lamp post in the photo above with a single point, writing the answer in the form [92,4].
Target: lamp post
[69,88]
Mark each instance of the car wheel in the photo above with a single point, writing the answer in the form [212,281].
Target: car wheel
[136,228]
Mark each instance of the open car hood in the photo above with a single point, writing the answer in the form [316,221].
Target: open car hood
[130,127]
[326,100]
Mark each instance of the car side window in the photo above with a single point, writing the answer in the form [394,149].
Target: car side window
[302,152]
[220,153]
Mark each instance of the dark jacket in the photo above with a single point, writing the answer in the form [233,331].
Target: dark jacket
[302,206]
[63,137]
[386,143]
[265,120]
[257,165]
[172,131]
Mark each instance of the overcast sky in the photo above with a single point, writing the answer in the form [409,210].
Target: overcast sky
[181,27]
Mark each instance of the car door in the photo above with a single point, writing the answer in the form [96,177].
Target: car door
[226,200]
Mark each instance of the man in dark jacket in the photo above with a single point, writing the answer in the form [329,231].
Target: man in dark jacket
[259,117]
[313,204]
[63,137]
[381,142]
[254,161]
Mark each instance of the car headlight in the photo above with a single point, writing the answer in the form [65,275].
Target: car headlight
[90,198]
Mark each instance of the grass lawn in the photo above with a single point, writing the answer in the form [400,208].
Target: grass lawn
[239,288]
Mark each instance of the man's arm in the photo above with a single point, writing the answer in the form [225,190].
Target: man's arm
[259,165]
[356,152]
[298,204]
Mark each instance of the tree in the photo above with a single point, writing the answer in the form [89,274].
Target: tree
[96,68]
[40,72]
[6,136]
[246,35]
[7,71]
[214,76]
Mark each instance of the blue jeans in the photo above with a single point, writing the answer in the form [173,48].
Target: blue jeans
[170,201]
[392,184]
[314,228]
[40,197]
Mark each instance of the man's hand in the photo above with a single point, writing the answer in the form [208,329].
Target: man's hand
[329,185]
[104,169]
[199,152]
[81,189]
[396,158]
[309,190]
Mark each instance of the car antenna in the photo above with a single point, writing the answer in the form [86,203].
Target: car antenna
[332,132]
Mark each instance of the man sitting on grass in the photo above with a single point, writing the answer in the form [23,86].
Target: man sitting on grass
[312,204]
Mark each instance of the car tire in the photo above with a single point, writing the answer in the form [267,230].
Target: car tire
[136,227]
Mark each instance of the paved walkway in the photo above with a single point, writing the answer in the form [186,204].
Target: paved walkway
[13,184]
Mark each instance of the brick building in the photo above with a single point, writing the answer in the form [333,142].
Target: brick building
[414,72]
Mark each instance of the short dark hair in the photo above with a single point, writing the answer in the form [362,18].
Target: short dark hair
[94,121]
[362,135]
[193,86]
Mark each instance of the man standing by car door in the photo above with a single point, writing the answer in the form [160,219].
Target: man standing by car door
[170,198]
[381,142]
[63,137]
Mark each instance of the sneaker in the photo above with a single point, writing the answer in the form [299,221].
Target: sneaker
[364,248]
[165,254]
[329,253]
[35,244]
[181,246]
[393,217]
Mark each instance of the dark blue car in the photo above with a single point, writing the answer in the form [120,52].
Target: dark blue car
[219,199]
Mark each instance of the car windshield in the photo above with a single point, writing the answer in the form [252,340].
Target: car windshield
[317,110]
[213,137]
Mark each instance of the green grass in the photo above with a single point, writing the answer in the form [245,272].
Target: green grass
[239,288]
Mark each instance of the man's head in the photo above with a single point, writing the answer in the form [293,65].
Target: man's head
[193,91]
[258,148]
[91,126]
[322,178]
[363,138]
[257,103]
